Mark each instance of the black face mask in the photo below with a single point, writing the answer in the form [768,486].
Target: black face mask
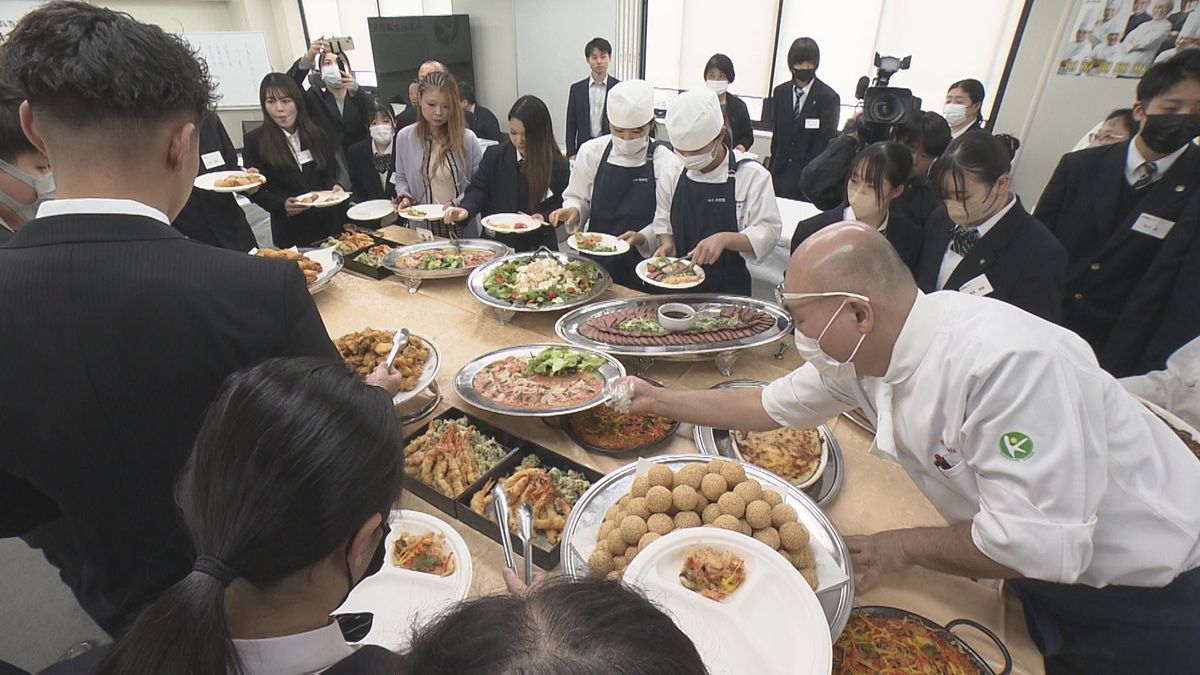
[1168,133]
[376,563]
[804,75]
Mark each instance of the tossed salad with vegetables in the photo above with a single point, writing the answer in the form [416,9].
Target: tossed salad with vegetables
[537,282]
[563,361]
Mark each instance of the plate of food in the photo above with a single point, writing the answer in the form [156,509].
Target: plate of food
[347,242]
[374,209]
[799,455]
[888,639]
[540,282]
[597,243]
[602,429]
[321,199]
[423,212]
[370,261]
[666,272]
[453,453]
[427,568]
[539,380]
[1186,432]
[229,181]
[319,265]
[725,590]
[510,223]
[440,259]
[418,361]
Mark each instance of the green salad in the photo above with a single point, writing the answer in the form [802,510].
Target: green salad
[702,324]
[563,361]
[538,282]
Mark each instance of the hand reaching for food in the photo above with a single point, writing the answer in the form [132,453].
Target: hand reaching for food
[455,214]
[640,398]
[391,380]
[874,556]
[517,587]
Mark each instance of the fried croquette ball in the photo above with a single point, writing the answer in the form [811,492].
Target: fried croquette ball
[640,485]
[701,502]
[793,536]
[768,536]
[632,528]
[659,499]
[714,466]
[605,528]
[710,514]
[619,564]
[616,542]
[749,490]
[732,505]
[601,562]
[690,475]
[758,514]
[683,497]
[787,556]
[810,575]
[661,475]
[661,523]
[713,486]
[733,473]
[772,498]
[782,513]
[624,502]
[631,553]
[728,522]
[746,529]
[611,513]
[686,519]
[638,507]
[647,539]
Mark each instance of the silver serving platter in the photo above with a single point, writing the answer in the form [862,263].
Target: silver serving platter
[568,325]
[389,261]
[465,388]
[601,282]
[716,443]
[325,276]
[589,512]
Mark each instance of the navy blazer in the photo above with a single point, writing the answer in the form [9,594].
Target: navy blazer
[737,121]
[360,160]
[304,228]
[485,124]
[793,145]
[215,218]
[498,187]
[579,114]
[342,129]
[905,235]
[1022,261]
[1106,257]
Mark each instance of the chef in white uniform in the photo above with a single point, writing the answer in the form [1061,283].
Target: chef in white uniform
[1078,53]
[1189,37]
[1048,472]
[1177,389]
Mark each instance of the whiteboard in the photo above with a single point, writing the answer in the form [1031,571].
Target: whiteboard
[237,61]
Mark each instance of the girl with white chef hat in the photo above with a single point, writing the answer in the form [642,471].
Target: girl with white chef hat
[719,207]
[612,187]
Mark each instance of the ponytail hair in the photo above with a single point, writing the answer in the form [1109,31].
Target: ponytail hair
[293,457]
[974,90]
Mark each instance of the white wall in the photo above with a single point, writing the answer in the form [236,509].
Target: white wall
[176,16]
[494,51]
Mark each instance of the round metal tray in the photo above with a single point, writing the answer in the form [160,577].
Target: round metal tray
[323,279]
[600,282]
[464,381]
[715,442]
[589,512]
[946,633]
[499,249]
[564,423]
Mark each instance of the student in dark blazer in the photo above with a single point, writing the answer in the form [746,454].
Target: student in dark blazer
[527,175]
[805,113]
[718,75]
[373,161]
[290,150]
[984,242]
[877,179]
[109,371]
[336,104]
[963,108]
[587,103]
[481,120]
[215,218]
[1117,209]
[926,140]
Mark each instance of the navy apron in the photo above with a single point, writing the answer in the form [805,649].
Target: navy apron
[623,199]
[700,210]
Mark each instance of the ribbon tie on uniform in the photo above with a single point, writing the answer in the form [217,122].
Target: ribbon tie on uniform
[962,239]
[382,163]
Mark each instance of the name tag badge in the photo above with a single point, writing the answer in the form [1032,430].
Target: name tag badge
[1153,225]
[212,159]
[977,286]
[304,157]
[812,123]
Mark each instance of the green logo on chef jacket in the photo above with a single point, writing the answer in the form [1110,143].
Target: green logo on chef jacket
[1016,445]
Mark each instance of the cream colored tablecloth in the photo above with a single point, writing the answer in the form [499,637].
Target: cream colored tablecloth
[875,495]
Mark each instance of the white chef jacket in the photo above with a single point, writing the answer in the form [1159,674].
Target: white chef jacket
[757,211]
[1079,53]
[583,179]
[1063,475]
[1175,388]
[309,652]
[1142,43]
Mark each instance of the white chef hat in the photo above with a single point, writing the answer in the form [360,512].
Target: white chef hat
[1191,27]
[694,119]
[1088,21]
[630,104]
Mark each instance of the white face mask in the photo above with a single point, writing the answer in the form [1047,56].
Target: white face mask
[630,148]
[332,76]
[810,350]
[955,113]
[697,163]
[43,185]
[382,133]
[719,86]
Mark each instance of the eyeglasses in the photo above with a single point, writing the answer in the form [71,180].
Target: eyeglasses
[782,296]
[1106,138]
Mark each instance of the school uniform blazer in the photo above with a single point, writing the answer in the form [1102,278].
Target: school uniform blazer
[1079,206]
[215,218]
[342,129]
[918,202]
[364,179]
[791,142]
[1023,262]
[291,181]
[498,187]
[103,396]
[737,116]
[485,124]
[579,113]
[906,236]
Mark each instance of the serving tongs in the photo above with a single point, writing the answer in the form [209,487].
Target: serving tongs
[542,250]
[454,240]
[399,340]
[525,530]
[500,504]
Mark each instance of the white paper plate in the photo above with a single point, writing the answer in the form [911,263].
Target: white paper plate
[507,223]
[208,181]
[326,198]
[641,272]
[401,599]
[821,464]
[428,212]
[376,209]
[606,240]
[427,375]
[773,623]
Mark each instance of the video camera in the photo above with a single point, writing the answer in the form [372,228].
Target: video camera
[885,107]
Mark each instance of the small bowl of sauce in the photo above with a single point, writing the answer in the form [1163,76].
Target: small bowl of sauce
[676,316]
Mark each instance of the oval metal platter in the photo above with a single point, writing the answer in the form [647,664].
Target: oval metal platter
[489,245]
[465,388]
[600,282]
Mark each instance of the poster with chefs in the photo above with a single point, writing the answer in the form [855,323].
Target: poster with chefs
[1122,38]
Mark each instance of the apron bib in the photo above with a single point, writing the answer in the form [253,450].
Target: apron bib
[700,210]
[623,199]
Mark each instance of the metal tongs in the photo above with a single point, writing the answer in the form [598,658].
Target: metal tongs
[542,250]
[399,340]
[454,240]
[525,530]
[500,504]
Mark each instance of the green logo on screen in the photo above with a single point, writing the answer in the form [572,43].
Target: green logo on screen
[1016,445]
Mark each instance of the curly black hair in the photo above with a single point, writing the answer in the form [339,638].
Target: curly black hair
[81,64]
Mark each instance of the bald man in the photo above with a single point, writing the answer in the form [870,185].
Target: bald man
[1048,473]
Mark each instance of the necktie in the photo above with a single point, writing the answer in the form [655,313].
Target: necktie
[796,103]
[962,240]
[521,165]
[382,163]
[1144,175]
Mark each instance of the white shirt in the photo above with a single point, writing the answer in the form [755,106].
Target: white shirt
[951,259]
[757,211]
[293,139]
[597,94]
[310,652]
[383,175]
[1134,159]
[1176,387]
[64,207]
[1103,493]
[848,214]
